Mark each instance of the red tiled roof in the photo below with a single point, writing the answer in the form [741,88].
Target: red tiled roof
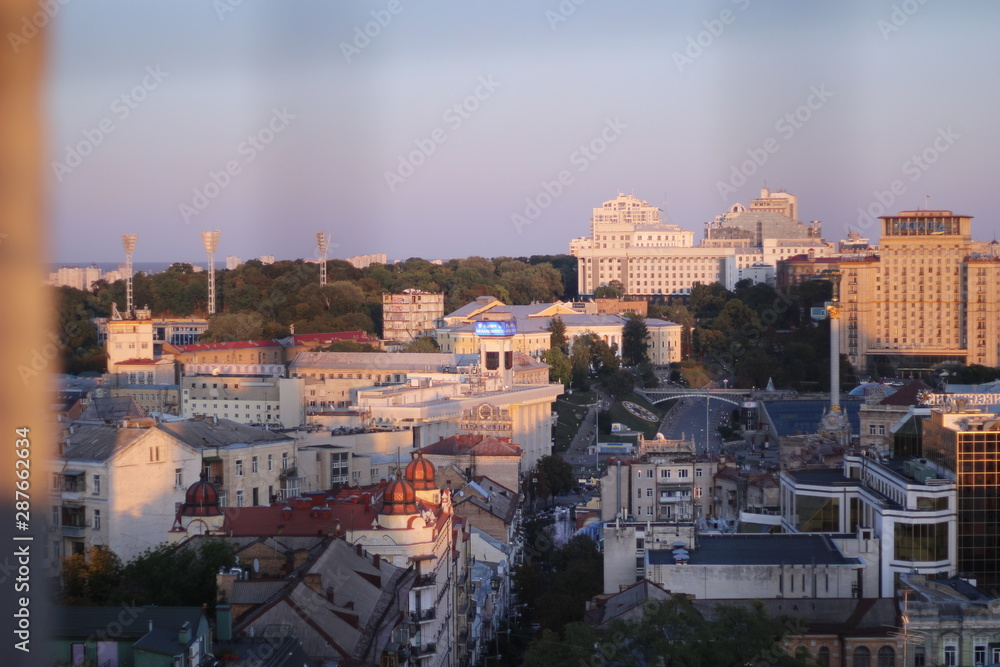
[139,362]
[351,509]
[466,443]
[235,345]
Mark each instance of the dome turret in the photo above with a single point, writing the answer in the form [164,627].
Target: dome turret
[201,499]
[399,498]
[420,473]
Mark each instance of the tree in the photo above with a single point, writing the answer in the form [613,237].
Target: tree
[91,577]
[613,290]
[422,344]
[620,383]
[172,575]
[557,329]
[560,367]
[225,327]
[558,473]
[635,341]
[674,633]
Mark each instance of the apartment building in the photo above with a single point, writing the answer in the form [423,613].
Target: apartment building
[248,399]
[410,314]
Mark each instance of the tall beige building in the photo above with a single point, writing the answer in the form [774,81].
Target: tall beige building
[930,296]
[411,314]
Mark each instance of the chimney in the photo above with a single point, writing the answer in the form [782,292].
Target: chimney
[376,559]
[184,636]
[329,594]
[223,622]
[358,548]
[224,584]
[314,580]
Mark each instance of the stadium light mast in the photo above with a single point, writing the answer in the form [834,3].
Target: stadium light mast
[128,242]
[211,241]
[322,241]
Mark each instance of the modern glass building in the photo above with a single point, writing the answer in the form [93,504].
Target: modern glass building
[969,444]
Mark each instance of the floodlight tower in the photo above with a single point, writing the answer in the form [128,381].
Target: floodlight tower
[211,241]
[321,244]
[128,241]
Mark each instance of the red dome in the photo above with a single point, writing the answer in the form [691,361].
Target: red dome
[201,499]
[399,498]
[420,472]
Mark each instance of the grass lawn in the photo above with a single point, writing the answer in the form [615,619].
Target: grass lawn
[571,408]
[648,429]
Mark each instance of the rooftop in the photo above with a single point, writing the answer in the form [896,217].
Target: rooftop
[752,549]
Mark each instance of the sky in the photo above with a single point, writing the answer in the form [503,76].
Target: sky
[457,128]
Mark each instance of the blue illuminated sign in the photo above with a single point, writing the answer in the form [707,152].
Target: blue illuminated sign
[493,328]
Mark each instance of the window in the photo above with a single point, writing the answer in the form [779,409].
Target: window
[154,454]
[979,653]
[950,653]
[871,429]
[239,468]
[919,657]
[239,499]
[682,473]
[886,657]
[664,474]
[284,460]
[638,493]
[97,519]
[862,657]
[253,465]
[697,472]
[270,457]
[881,429]
[56,481]
[823,656]
[649,493]
[55,515]
[179,477]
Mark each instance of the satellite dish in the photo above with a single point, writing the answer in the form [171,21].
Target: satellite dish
[256,565]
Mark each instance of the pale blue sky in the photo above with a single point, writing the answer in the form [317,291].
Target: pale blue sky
[682,127]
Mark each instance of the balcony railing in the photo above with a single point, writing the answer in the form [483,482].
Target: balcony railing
[425,581]
[425,650]
[73,531]
[290,471]
[423,615]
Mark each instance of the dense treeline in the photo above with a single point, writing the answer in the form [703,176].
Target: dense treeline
[258,300]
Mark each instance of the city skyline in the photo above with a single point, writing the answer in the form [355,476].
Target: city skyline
[499,130]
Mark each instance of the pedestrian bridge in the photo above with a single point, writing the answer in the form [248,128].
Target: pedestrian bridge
[733,396]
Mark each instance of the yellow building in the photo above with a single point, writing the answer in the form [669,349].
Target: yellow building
[931,296]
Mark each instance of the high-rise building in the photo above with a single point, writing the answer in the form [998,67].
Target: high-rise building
[932,295]
[232,262]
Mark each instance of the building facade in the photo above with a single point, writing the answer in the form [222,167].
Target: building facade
[410,314]
[931,296]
